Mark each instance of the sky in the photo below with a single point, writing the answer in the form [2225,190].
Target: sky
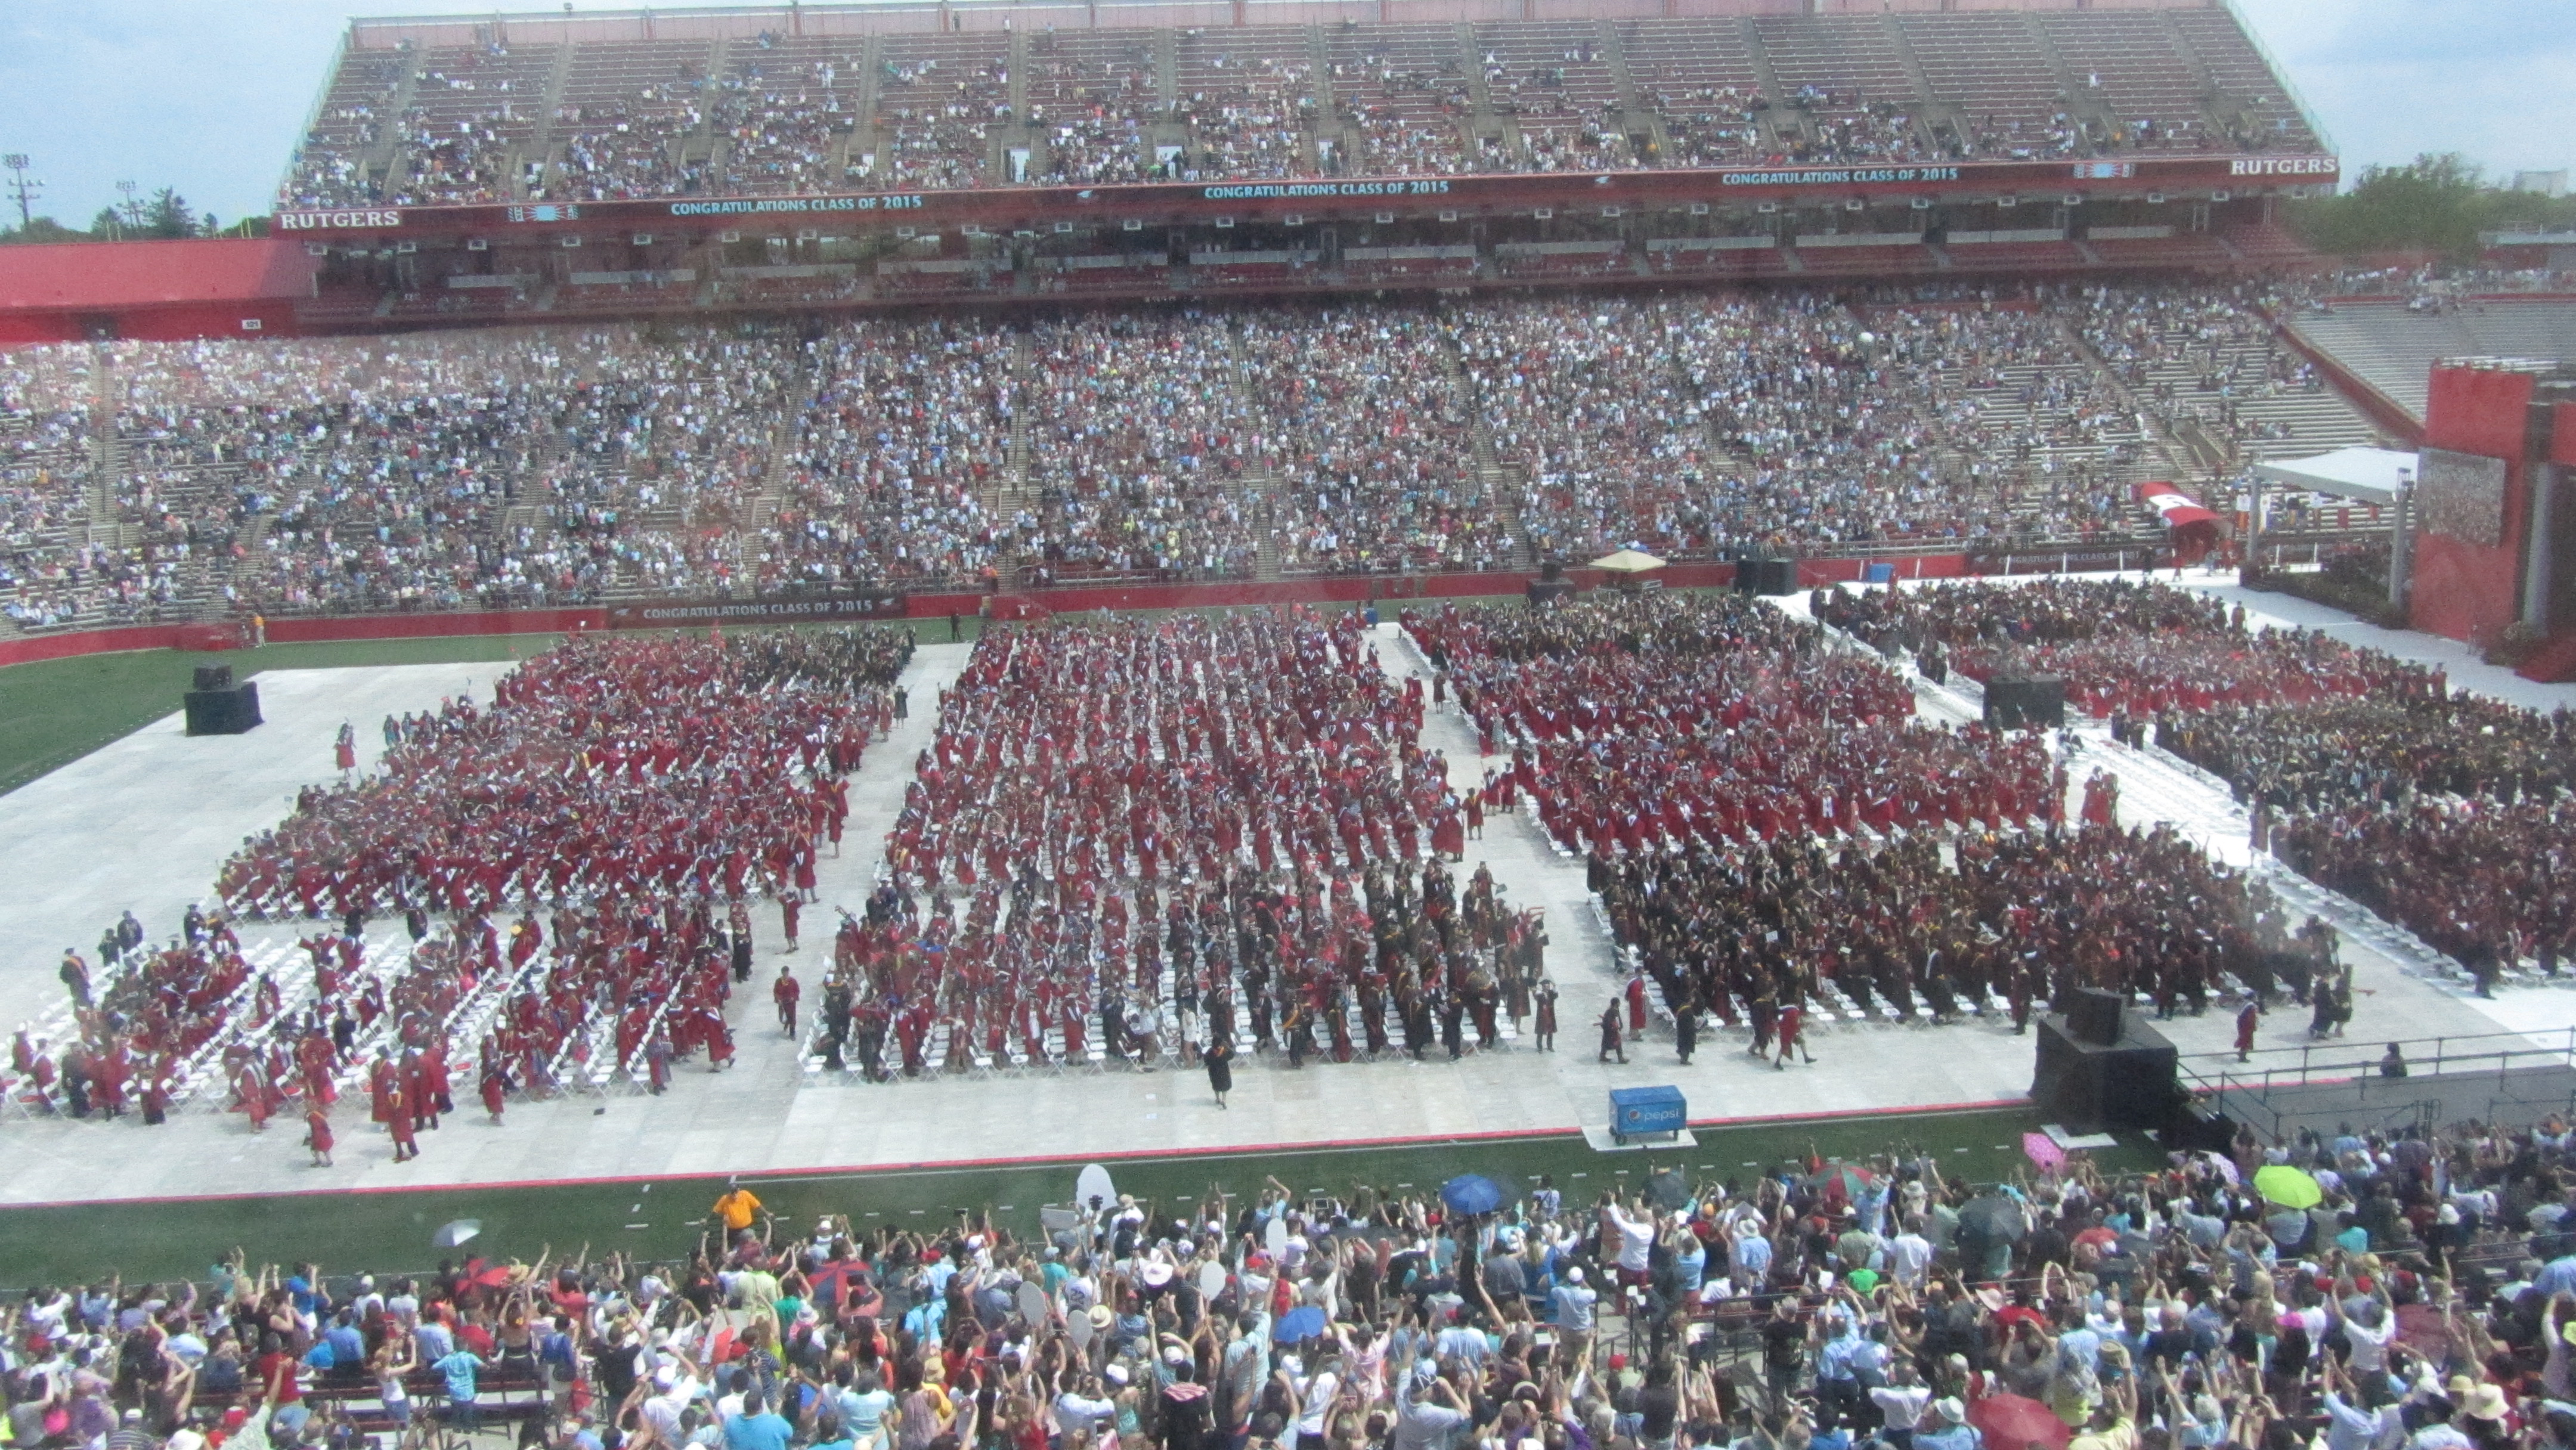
[207,95]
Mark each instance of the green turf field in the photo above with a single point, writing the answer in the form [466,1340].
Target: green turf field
[391,1230]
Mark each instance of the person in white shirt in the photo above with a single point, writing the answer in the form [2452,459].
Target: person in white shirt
[1086,1408]
[2368,1331]
[1636,1239]
[1901,1400]
[1748,1253]
[1909,1254]
[1315,1396]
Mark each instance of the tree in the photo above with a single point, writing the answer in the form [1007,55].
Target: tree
[42,229]
[169,215]
[2434,204]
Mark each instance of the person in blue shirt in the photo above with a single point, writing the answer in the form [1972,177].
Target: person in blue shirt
[1837,1387]
[348,1346]
[459,1368]
[1574,1301]
[756,1428]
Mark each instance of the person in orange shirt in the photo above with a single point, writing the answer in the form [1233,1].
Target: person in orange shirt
[737,1208]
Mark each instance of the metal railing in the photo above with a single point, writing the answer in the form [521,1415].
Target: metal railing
[2340,1062]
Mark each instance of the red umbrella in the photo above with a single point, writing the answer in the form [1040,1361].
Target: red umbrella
[2016,1422]
[486,1273]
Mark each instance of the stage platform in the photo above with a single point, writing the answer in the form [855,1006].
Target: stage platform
[147,821]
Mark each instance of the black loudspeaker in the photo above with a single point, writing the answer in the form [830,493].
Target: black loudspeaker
[2035,702]
[1766,576]
[214,677]
[2088,1086]
[224,712]
[2094,1016]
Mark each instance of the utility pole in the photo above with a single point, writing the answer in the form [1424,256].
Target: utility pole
[25,190]
[131,209]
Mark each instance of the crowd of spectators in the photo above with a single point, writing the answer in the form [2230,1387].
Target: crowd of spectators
[559,465]
[51,572]
[1685,426]
[909,430]
[939,131]
[380,472]
[2194,355]
[1376,439]
[1252,123]
[1707,125]
[620,149]
[1878,1302]
[1140,438]
[1841,127]
[780,122]
[1092,101]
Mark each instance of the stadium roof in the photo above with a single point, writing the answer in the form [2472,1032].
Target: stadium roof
[81,276]
[2364,475]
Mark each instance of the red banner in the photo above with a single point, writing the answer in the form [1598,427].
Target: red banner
[1162,202]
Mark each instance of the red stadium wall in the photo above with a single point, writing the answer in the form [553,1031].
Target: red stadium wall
[156,291]
[88,642]
[435,626]
[2460,590]
[18,329]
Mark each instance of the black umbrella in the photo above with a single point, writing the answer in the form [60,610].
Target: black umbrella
[1997,1217]
[1665,1189]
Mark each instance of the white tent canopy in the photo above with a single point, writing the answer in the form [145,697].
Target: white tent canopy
[2364,475]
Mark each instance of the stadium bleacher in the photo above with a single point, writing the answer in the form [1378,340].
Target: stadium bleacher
[614,459]
[474,110]
[1992,76]
[2392,345]
[1138,446]
[744,115]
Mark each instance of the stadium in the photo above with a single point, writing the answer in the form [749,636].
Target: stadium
[1035,672]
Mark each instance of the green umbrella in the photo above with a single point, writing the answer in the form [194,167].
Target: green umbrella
[2288,1187]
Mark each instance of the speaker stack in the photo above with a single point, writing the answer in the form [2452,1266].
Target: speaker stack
[2100,1067]
[1773,577]
[217,706]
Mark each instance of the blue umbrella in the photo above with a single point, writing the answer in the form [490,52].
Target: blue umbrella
[1471,1193]
[1303,1323]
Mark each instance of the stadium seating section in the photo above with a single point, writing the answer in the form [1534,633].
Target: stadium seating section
[575,463]
[773,113]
